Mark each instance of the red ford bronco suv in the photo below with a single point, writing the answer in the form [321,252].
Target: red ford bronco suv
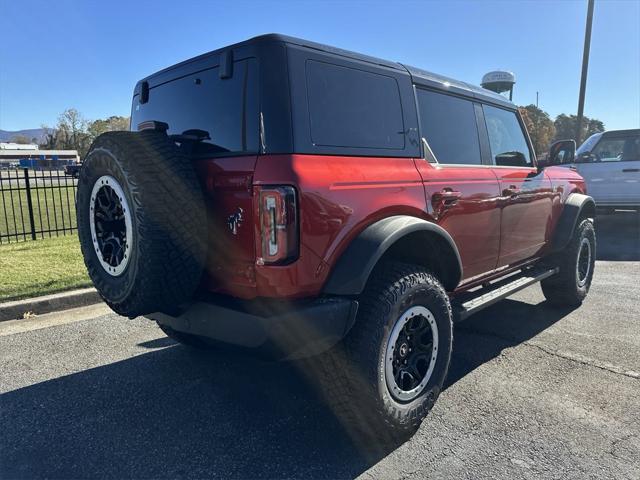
[304,200]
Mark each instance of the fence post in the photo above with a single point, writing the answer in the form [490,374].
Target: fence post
[30,204]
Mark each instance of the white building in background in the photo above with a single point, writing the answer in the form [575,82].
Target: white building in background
[17,146]
[11,157]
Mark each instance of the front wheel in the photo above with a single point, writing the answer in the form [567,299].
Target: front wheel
[385,376]
[569,287]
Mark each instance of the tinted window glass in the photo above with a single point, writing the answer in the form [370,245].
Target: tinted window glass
[617,149]
[227,109]
[353,108]
[588,143]
[449,126]
[506,138]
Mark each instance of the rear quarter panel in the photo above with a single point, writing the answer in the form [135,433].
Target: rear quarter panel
[338,197]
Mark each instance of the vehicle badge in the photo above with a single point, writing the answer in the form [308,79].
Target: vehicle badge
[235,220]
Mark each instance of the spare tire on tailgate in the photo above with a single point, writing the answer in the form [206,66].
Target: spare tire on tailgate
[141,222]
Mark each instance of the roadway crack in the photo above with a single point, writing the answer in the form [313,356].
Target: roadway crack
[614,445]
[572,357]
[585,361]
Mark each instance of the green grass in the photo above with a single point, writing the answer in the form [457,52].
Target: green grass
[30,269]
[14,212]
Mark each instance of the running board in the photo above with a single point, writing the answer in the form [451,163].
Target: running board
[468,303]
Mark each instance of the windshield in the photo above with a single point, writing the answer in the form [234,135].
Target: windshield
[589,143]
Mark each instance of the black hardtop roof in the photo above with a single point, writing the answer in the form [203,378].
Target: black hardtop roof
[419,76]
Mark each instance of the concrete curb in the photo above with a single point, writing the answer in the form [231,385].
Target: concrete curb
[49,303]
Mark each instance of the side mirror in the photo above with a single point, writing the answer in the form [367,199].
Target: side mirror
[561,152]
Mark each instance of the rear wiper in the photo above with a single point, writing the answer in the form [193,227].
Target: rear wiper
[192,135]
[188,140]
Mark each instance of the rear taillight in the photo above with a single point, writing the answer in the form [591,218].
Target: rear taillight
[278,225]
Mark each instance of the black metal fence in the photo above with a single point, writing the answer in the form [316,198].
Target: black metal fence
[36,204]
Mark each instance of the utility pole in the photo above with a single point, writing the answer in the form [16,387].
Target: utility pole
[585,67]
[537,100]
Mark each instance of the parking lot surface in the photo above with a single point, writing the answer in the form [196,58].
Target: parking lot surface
[533,392]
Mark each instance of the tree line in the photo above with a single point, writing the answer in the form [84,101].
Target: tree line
[543,131]
[74,132]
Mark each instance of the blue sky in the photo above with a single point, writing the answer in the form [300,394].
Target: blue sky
[89,54]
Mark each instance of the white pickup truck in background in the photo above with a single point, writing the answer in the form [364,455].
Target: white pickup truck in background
[610,164]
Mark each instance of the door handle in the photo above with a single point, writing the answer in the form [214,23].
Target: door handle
[446,197]
[512,191]
[629,170]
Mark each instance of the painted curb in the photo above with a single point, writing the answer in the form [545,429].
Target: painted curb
[49,303]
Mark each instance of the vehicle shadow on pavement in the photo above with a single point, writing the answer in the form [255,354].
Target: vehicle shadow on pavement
[176,412]
[483,336]
[618,236]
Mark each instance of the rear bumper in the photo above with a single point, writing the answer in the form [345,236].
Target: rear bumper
[282,330]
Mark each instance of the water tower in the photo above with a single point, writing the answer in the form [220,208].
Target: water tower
[499,81]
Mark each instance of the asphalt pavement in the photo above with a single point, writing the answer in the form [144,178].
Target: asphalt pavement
[533,392]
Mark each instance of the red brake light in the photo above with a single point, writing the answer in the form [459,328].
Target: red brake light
[278,225]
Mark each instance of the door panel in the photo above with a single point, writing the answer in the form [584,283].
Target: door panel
[599,177]
[527,200]
[462,195]
[526,193]
[464,200]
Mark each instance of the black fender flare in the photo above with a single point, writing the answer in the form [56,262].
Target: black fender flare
[576,206]
[353,268]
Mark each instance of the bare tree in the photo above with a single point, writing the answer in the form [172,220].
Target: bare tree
[74,132]
[49,138]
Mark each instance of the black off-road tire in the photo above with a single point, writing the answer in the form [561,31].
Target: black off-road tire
[187,339]
[167,251]
[566,288]
[353,373]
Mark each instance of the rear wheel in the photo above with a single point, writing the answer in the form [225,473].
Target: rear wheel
[576,262]
[385,376]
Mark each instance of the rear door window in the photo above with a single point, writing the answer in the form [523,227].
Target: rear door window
[349,107]
[225,108]
[506,138]
[620,149]
[448,124]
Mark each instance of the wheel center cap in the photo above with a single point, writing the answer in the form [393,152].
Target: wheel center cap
[403,350]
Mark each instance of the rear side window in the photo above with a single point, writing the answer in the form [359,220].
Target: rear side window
[353,108]
[506,138]
[449,126]
[226,109]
